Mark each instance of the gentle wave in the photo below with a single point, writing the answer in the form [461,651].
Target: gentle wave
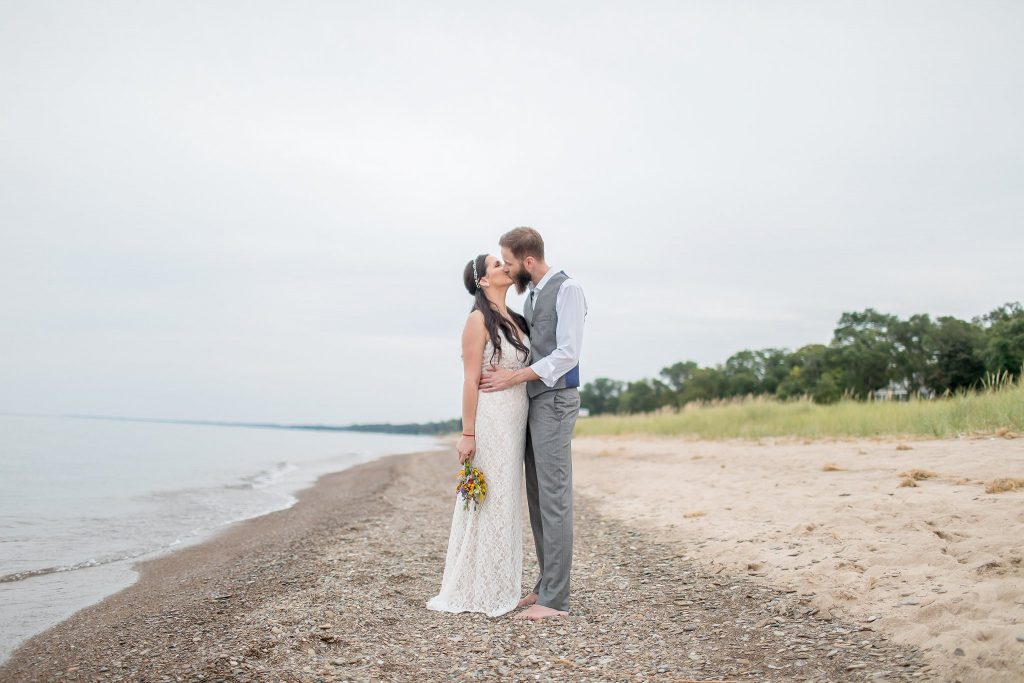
[87,564]
[260,480]
[105,495]
[265,478]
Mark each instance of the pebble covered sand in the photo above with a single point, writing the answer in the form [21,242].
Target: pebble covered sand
[333,589]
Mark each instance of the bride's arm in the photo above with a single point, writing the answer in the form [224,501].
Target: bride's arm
[474,337]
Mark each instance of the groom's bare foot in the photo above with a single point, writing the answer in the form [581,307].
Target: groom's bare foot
[538,612]
[530,598]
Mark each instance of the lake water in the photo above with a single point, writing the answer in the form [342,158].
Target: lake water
[82,500]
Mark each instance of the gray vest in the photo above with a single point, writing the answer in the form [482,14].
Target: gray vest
[542,319]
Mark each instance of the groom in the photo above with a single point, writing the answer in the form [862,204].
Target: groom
[554,311]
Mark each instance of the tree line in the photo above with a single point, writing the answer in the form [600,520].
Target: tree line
[431,428]
[868,350]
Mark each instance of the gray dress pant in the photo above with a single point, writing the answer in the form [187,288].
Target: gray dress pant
[549,491]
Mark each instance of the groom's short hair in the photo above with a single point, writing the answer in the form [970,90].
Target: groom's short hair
[523,242]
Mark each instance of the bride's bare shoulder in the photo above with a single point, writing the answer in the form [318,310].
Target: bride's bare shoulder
[475,327]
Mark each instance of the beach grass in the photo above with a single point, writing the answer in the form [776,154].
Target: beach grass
[998,409]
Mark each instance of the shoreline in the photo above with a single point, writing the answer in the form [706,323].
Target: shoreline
[211,552]
[73,542]
[334,588]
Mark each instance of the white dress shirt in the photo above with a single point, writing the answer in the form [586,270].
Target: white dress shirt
[571,309]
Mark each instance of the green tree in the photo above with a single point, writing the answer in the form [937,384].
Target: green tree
[601,395]
[806,367]
[643,396]
[741,374]
[705,384]
[815,360]
[864,350]
[913,352]
[755,372]
[775,366]
[827,389]
[793,384]
[957,351]
[676,376]
[868,349]
[1004,339]
[812,373]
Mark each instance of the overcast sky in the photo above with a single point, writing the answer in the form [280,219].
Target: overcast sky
[261,211]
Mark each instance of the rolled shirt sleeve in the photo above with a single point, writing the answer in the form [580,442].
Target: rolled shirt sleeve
[571,308]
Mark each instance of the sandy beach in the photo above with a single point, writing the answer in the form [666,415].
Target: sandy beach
[333,589]
[898,534]
[694,560]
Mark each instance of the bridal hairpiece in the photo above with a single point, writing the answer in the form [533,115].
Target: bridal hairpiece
[476,276]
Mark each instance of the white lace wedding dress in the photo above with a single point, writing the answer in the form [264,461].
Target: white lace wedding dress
[484,564]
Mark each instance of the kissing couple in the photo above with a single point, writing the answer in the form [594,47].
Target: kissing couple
[520,400]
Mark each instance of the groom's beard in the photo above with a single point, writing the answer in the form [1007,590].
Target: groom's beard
[522,279]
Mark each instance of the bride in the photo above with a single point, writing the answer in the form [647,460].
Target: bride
[483,566]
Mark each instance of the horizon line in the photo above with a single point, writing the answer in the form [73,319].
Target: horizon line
[211,423]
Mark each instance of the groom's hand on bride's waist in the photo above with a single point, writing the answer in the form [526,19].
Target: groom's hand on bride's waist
[500,379]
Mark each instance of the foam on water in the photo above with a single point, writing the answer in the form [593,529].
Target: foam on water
[81,501]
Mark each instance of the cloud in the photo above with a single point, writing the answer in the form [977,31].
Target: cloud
[262,212]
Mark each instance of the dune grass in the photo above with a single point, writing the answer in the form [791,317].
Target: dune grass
[999,409]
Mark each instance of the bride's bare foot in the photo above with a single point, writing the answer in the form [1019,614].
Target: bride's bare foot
[530,598]
[538,612]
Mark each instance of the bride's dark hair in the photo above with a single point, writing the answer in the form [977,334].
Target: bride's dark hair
[495,323]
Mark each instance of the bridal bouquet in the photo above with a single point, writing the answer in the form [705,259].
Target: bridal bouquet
[472,486]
